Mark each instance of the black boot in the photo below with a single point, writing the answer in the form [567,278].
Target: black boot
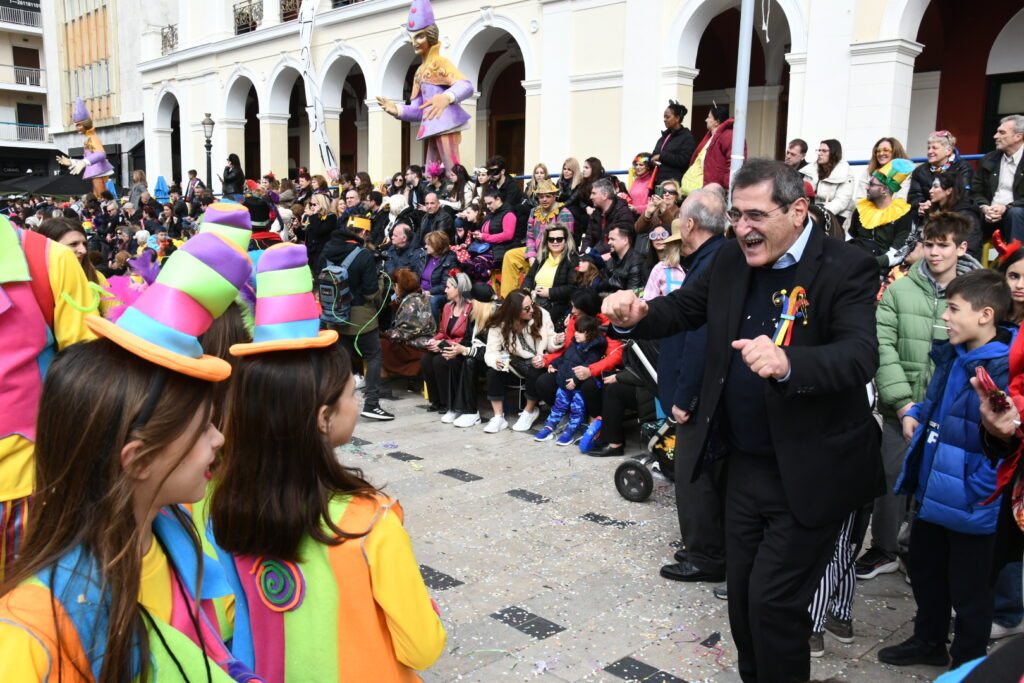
[914,651]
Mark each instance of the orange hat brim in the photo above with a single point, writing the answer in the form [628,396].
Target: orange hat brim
[209,368]
[324,338]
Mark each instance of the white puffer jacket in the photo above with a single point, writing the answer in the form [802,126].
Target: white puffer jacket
[835,192]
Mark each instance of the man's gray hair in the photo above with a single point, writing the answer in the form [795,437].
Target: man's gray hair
[707,209]
[1018,122]
[605,187]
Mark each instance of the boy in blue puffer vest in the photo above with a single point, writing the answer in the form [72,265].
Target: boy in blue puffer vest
[953,537]
[586,348]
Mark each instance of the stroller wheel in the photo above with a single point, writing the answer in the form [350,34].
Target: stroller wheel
[634,481]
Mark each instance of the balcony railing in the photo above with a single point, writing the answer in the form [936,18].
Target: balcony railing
[22,75]
[290,9]
[248,16]
[22,132]
[335,4]
[24,17]
[168,39]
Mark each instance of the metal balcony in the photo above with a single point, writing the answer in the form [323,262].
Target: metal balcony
[248,16]
[22,132]
[11,74]
[24,17]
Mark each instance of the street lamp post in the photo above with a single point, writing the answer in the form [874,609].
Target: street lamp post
[208,134]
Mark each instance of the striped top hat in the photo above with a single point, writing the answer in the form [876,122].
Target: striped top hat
[287,315]
[229,220]
[196,285]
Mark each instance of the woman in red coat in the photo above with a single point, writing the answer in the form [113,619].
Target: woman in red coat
[714,150]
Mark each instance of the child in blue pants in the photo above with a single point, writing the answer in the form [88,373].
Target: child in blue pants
[952,539]
[587,347]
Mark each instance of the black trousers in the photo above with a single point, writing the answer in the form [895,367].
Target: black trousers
[439,374]
[952,570]
[500,382]
[701,508]
[366,348]
[775,565]
[547,384]
[616,398]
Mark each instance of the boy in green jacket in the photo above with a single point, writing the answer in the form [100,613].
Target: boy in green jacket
[909,321]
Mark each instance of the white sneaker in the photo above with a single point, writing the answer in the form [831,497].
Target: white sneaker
[360,381]
[525,421]
[1004,631]
[467,420]
[449,417]
[497,423]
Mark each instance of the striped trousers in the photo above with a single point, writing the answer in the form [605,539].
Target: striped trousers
[13,521]
[835,592]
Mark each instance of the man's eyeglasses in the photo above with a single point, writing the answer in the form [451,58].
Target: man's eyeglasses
[555,240]
[753,217]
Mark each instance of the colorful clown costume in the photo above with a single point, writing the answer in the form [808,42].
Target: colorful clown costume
[353,612]
[29,647]
[39,282]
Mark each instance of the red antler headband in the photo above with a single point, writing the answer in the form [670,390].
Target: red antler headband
[1003,249]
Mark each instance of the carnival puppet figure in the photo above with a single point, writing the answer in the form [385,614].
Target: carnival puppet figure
[94,165]
[438,87]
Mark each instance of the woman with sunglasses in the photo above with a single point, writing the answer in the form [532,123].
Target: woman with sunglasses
[662,208]
[663,258]
[943,157]
[551,277]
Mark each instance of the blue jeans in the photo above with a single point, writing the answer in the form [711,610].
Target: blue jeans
[1013,222]
[1009,611]
[437,302]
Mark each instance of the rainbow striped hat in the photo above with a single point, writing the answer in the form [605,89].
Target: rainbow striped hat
[196,285]
[229,220]
[287,315]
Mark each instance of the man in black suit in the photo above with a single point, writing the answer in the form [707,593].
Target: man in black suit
[793,420]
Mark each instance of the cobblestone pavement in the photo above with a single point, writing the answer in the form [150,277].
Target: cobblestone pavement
[543,571]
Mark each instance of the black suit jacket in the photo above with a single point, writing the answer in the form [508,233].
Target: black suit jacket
[826,441]
[986,181]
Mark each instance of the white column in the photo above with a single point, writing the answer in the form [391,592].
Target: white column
[641,109]
[762,119]
[467,146]
[332,116]
[534,125]
[482,135]
[881,82]
[384,145]
[556,47]
[228,137]
[924,112]
[159,164]
[274,143]
[363,146]
[797,89]
[677,84]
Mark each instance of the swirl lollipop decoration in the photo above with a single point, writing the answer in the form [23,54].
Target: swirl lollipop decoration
[281,584]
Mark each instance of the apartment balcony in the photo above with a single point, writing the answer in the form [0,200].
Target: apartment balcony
[24,135]
[21,21]
[22,78]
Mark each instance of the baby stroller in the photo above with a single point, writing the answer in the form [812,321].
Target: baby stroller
[634,478]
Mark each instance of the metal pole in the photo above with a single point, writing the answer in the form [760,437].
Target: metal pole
[209,166]
[739,114]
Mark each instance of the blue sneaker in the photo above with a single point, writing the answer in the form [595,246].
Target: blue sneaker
[591,436]
[545,434]
[566,438]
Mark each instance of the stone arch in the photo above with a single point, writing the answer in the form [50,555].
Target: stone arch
[280,83]
[480,35]
[237,91]
[166,100]
[395,63]
[335,70]
[689,25]
[486,86]
[902,19]
[1007,54]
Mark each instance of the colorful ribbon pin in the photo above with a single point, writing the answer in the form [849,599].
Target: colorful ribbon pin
[794,306]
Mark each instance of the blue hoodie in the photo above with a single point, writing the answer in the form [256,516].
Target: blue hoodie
[945,467]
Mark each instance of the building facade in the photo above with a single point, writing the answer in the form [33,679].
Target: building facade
[561,78]
[25,145]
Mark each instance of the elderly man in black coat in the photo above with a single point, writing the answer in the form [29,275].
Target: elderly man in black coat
[792,419]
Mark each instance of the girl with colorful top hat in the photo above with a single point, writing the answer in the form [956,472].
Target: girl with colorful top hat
[326,582]
[111,584]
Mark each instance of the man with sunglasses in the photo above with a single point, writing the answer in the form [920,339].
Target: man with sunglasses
[548,212]
[881,223]
[511,195]
[782,400]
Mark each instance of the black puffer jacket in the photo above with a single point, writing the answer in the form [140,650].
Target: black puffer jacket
[675,147]
[922,177]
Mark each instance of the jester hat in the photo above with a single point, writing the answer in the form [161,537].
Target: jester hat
[894,173]
[421,15]
[79,112]
[196,285]
[287,315]
[231,221]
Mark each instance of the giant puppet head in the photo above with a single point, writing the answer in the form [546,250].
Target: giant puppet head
[421,26]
